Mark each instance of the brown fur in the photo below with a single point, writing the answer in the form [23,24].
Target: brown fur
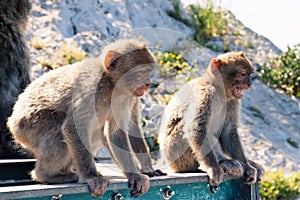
[199,126]
[67,114]
[14,66]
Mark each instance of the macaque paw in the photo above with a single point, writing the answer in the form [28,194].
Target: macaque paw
[149,171]
[97,185]
[232,167]
[215,176]
[260,170]
[140,184]
[250,175]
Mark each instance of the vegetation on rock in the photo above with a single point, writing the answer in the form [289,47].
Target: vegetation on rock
[276,186]
[284,71]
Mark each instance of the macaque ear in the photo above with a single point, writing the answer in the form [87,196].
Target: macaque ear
[110,57]
[215,64]
[241,53]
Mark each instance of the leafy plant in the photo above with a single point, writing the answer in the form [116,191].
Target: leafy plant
[284,71]
[71,53]
[68,53]
[152,143]
[208,22]
[276,186]
[171,65]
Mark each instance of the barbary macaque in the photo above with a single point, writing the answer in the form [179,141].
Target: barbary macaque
[67,114]
[199,130]
[14,67]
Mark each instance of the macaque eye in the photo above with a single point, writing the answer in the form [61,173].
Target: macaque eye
[244,74]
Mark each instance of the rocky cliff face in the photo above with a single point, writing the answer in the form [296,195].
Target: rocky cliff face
[270,120]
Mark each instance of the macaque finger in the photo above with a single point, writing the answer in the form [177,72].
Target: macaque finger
[131,184]
[158,172]
[250,175]
[134,193]
[150,174]
[97,186]
[259,168]
[249,180]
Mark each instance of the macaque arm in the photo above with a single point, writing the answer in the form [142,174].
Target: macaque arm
[136,137]
[201,140]
[121,151]
[206,157]
[219,153]
[232,145]
[120,148]
[198,116]
[204,151]
[139,145]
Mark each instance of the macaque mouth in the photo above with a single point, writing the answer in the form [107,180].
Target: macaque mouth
[238,91]
[140,90]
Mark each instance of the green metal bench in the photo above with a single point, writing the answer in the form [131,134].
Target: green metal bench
[15,184]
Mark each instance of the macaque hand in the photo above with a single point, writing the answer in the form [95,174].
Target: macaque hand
[250,174]
[139,182]
[97,185]
[233,167]
[215,175]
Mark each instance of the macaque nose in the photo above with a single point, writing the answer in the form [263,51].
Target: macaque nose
[146,86]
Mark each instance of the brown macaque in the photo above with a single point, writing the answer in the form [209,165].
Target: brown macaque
[199,130]
[64,117]
[14,67]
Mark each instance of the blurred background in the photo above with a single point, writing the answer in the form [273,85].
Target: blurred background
[184,36]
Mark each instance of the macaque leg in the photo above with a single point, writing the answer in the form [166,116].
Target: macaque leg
[120,148]
[53,164]
[139,145]
[83,161]
[233,146]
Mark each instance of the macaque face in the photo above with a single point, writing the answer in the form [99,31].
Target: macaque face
[235,70]
[131,71]
[139,80]
[241,81]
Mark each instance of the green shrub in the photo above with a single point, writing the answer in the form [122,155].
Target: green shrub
[208,22]
[171,65]
[276,186]
[284,71]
